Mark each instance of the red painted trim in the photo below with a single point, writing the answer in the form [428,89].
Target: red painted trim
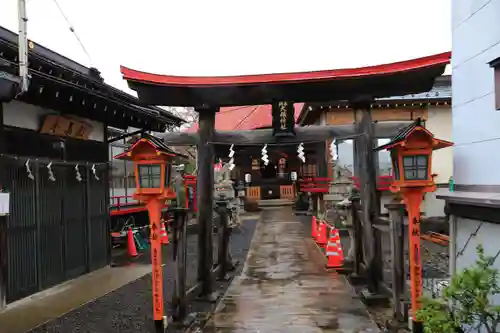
[315,184]
[126,211]
[171,80]
[317,190]
[318,179]
[383,182]
[191,181]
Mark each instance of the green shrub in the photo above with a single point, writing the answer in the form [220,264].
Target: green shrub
[466,302]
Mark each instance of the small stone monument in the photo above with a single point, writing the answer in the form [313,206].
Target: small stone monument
[224,185]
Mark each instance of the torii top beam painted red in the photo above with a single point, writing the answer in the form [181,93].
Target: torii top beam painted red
[405,77]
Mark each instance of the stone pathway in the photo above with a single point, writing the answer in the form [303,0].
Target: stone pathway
[284,287]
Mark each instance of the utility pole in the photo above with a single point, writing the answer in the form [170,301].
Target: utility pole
[23,45]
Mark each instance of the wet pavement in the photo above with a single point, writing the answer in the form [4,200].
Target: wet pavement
[129,308]
[30,312]
[285,288]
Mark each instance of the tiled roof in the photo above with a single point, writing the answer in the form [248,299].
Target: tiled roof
[401,135]
[244,117]
[156,142]
[441,90]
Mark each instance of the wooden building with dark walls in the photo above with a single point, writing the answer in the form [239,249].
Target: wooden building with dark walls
[52,138]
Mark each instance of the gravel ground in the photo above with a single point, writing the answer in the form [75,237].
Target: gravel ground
[129,309]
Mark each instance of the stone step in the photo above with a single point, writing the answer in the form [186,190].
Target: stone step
[275,202]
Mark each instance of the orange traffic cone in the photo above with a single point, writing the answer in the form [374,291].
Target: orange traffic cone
[132,251]
[314,228]
[334,250]
[164,235]
[321,240]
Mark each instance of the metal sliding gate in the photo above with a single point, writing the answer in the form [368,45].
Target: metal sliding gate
[57,228]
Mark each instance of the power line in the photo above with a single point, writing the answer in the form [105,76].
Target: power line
[72,29]
[474,142]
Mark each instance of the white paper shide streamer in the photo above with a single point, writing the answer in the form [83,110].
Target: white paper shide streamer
[94,171]
[51,174]
[334,151]
[264,157]
[28,170]
[230,164]
[78,174]
[300,153]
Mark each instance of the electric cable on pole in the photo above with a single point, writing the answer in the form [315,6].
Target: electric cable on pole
[72,29]
[23,42]
[23,45]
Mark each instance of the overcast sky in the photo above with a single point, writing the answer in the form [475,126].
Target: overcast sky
[226,37]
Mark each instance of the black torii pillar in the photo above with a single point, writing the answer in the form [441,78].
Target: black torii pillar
[205,199]
[366,169]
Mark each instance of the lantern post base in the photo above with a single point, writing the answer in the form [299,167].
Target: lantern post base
[161,325]
[417,326]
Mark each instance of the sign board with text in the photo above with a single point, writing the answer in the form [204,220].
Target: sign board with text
[66,127]
[283,114]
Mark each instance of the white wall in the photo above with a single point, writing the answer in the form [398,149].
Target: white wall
[29,116]
[476,123]
[471,233]
[440,123]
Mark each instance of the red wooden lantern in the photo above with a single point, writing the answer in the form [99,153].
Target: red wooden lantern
[152,164]
[411,154]
[152,168]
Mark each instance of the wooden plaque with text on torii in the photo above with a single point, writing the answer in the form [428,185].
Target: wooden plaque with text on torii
[283,114]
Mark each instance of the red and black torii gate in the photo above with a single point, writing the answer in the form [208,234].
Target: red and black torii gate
[358,86]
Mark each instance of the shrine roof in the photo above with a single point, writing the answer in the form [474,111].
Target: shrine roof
[399,78]
[248,117]
[405,132]
[156,143]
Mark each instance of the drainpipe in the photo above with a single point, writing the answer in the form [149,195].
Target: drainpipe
[453,245]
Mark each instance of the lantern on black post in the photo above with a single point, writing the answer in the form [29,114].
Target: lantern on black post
[152,164]
[411,153]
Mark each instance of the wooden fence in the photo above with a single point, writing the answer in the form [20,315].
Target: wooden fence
[386,272]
